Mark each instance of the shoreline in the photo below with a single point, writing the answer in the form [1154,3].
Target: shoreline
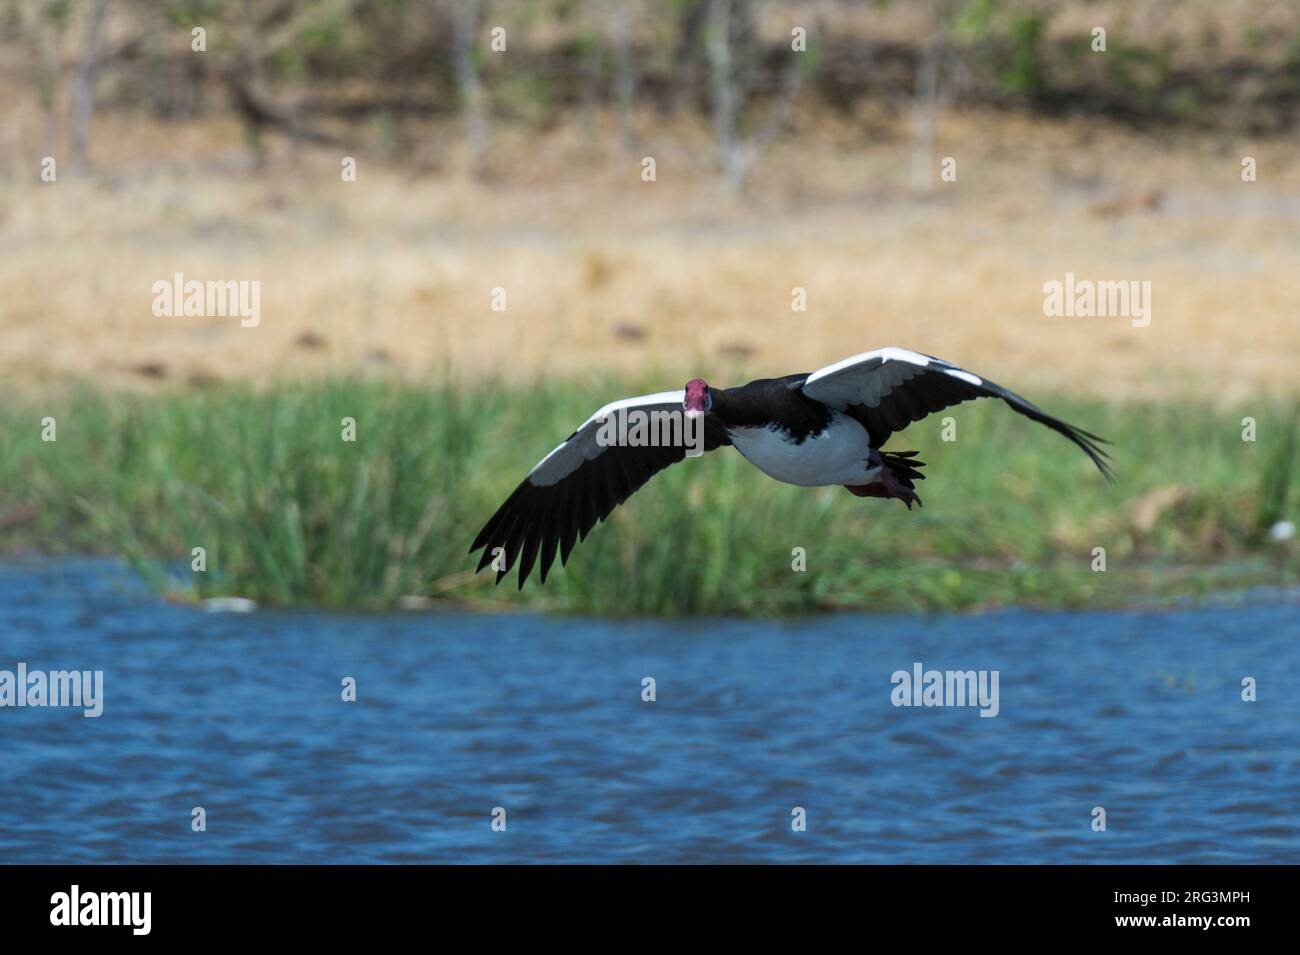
[117,567]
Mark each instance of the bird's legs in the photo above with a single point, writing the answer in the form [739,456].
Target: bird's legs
[886,485]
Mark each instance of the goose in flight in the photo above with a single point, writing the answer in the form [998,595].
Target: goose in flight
[812,430]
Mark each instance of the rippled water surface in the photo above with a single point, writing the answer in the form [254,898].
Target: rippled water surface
[1140,713]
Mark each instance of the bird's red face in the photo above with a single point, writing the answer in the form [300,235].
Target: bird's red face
[697,400]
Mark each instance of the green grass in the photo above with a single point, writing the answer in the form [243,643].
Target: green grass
[289,513]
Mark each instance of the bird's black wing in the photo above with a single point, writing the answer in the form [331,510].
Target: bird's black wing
[888,389]
[583,480]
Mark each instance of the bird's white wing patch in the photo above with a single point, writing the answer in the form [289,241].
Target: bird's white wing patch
[865,379]
[569,455]
[963,375]
[884,354]
[870,377]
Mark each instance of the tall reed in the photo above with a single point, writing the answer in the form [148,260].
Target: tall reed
[288,512]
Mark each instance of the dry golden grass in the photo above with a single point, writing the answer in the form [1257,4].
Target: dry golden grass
[603,271]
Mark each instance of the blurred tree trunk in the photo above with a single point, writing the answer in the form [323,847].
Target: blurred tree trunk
[925,115]
[737,154]
[691,27]
[83,93]
[724,94]
[465,26]
[45,23]
[621,29]
[929,98]
[593,69]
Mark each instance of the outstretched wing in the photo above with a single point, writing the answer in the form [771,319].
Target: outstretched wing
[585,478]
[888,389]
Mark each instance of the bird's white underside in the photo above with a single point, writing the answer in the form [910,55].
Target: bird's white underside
[837,455]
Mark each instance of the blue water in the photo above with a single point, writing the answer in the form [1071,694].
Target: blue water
[1140,713]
